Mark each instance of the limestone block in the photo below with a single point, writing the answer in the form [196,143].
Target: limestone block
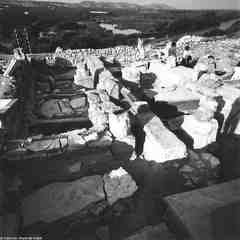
[202,132]
[195,208]
[160,144]
[55,107]
[86,82]
[119,125]
[61,200]
[153,233]
[96,113]
[169,77]
[78,102]
[118,185]
[131,74]
[46,144]
[108,83]
[94,64]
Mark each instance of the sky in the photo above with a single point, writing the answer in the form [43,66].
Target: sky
[181,4]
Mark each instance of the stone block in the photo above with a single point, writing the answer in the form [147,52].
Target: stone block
[153,233]
[61,200]
[190,213]
[131,74]
[95,65]
[86,82]
[160,143]
[118,185]
[108,83]
[202,132]
[119,125]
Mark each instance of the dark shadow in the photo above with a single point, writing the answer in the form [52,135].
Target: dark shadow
[96,76]
[164,110]
[233,118]
[147,80]
[218,114]
[228,152]
[184,137]
[63,62]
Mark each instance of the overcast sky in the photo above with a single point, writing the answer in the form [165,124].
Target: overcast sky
[188,4]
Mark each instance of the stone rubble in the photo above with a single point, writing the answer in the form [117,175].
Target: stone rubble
[118,184]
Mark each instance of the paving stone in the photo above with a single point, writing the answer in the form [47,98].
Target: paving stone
[153,233]
[61,200]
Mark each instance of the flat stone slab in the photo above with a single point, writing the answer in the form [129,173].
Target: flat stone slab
[180,94]
[153,233]
[190,213]
[60,200]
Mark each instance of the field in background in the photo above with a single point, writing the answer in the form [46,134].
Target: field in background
[78,26]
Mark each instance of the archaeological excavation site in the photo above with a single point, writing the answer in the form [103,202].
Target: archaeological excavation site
[126,143]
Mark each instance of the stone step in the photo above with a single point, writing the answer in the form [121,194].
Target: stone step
[153,233]
[190,213]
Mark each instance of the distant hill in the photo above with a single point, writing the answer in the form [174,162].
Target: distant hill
[86,4]
[122,5]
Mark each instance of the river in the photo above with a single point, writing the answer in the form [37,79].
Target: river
[113,28]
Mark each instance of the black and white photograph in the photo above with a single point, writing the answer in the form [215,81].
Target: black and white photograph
[119,120]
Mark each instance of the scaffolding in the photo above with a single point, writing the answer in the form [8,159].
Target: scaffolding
[23,40]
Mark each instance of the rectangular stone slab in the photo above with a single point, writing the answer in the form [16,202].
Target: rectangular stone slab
[190,213]
[60,200]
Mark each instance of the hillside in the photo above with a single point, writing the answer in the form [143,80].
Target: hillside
[87,4]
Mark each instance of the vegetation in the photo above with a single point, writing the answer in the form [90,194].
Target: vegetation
[77,27]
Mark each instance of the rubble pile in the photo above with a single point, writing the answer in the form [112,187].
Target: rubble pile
[220,48]
[123,54]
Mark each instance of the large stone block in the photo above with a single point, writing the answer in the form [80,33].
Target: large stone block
[108,83]
[119,125]
[61,200]
[190,213]
[202,132]
[160,144]
[95,65]
[131,74]
[153,233]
